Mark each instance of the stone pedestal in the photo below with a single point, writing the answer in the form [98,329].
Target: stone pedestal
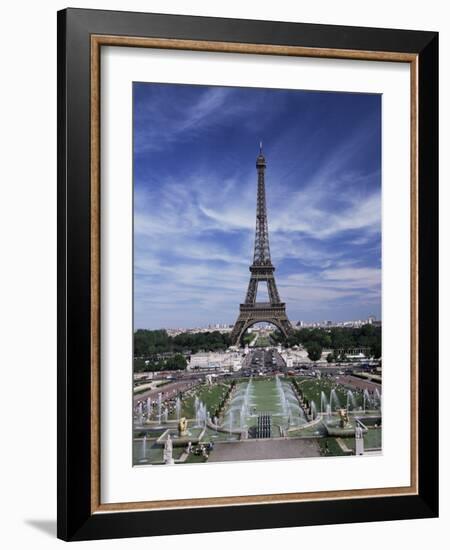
[359,441]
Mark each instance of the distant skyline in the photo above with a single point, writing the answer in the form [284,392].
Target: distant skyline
[218,324]
[195,201]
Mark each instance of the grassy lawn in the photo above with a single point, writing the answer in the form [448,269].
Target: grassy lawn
[150,433]
[368,376]
[211,396]
[372,440]
[312,389]
[263,342]
[330,447]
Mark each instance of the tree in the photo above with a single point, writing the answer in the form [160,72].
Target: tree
[314,351]
[177,362]
[330,358]
[367,336]
[151,343]
[376,351]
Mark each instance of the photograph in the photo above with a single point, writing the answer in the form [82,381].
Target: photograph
[257,274]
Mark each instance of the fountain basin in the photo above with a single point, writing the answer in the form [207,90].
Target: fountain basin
[194,435]
[334,429]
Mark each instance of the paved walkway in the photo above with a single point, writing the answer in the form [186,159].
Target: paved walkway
[167,391]
[358,383]
[259,449]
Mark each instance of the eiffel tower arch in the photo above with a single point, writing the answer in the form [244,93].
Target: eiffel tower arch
[261,271]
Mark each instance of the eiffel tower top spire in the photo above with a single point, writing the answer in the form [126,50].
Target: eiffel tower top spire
[262,250]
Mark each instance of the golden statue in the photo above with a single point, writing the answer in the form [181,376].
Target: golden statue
[182,426]
[343,415]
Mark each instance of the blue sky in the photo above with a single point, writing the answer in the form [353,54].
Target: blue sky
[195,198]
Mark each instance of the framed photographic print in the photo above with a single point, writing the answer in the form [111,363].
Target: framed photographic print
[247,274]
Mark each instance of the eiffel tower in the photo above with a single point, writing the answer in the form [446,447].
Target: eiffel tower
[262,270]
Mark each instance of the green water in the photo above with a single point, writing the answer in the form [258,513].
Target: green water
[268,395]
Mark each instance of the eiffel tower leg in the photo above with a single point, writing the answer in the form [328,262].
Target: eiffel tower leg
[281,327]
[245,321]
[237,331]
[287,327]
[273,291]
[241,326]
[251,291]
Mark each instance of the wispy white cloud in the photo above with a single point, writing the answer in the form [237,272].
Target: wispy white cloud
[194,229]
[165,122]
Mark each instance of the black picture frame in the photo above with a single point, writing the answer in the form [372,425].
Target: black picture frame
[75,518]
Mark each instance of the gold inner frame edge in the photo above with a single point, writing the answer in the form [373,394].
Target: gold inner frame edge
[97,41]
